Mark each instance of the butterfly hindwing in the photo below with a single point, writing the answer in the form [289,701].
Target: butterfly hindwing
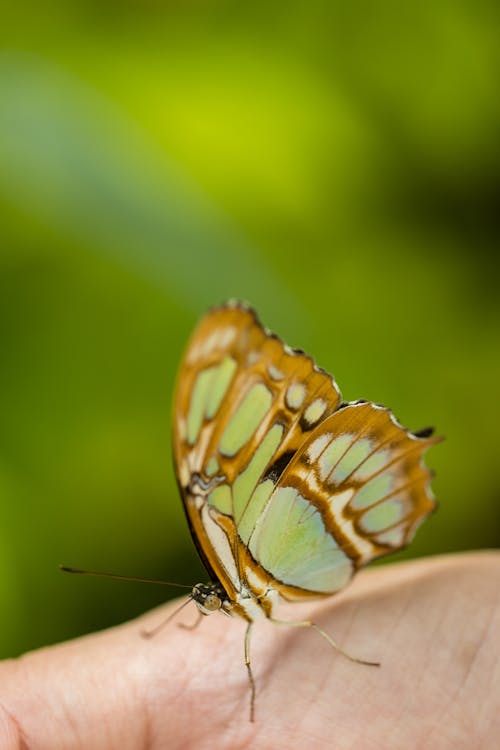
[356,490]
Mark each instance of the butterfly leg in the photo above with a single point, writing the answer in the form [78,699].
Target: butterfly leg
[194,624]
[151,633]
[327,637]
[249,670]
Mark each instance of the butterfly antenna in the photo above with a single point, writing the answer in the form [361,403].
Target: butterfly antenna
[156,630]
[65,569]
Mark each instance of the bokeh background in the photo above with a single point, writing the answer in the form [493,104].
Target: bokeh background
[337,165]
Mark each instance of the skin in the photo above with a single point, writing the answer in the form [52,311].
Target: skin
[434,624]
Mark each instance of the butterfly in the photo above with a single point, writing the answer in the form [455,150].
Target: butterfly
[287,489]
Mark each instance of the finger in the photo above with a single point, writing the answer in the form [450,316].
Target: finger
[88,693]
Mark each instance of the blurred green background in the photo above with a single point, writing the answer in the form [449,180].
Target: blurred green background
[337,166]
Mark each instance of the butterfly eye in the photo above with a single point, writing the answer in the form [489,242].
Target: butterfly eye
[212,603]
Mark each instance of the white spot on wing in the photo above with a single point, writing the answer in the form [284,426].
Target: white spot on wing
[275,373]
[295,395]
[315,411]
[318,446]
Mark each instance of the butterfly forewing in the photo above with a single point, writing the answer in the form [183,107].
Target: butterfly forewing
[286,489]
[243,406]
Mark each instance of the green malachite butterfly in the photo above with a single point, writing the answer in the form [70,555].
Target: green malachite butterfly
[287,489]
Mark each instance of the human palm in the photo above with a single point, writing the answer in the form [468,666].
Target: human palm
[433,624]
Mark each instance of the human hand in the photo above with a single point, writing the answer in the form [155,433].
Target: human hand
[433,624]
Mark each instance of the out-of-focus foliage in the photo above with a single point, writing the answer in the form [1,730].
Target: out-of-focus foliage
[336,165]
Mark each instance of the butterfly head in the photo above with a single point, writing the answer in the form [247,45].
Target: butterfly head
[208,597]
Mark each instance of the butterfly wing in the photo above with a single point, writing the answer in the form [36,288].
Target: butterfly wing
[285,488]
[357,489]
[244,403]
